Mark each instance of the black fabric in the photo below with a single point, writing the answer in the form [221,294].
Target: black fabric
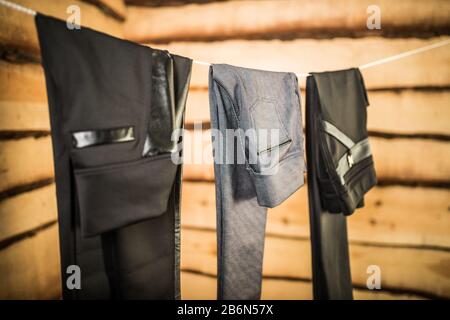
[339,98]
[118,203]
[341,101]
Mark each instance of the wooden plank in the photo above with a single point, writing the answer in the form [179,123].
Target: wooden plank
[399,159]
[116,8]
[281,19]
[396,111]
[23,105]
[392,215]
[25,161]
[306,55]
[30,268]
[405,159]
[24,82]
[203,287]
[27,211]
[402,111]
[400,267]
[24,116]
[409,112]
[23,99]
[18,30]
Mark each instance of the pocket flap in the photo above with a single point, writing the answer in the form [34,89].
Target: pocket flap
[119,195]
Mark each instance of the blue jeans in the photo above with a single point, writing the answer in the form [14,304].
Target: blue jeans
[254,169]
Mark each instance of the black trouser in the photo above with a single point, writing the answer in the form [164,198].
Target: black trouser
[113,107]
[330,257]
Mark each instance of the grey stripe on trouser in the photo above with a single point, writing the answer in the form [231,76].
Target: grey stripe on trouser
[244,99]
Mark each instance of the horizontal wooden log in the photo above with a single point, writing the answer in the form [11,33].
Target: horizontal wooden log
[399,159]
[281,19]
[203,287]
[23,99]
[23,105]
[306,55]
[392,215]
[27,211]
[24,116]
[402,111]
[22,82]
[25,161]
[411,159]
[115,8]
[30,268]
[409,112]
[400,267]
[18,30]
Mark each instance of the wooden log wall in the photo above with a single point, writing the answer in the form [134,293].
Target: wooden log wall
[405,225]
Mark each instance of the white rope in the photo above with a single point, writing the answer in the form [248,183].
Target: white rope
[17,7]
[405,54]
[376,62]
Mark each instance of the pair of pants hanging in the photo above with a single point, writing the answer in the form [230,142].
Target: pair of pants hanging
[253,169]
[340,172]
[113,106]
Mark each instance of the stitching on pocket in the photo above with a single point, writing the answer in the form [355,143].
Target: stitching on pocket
[274,104]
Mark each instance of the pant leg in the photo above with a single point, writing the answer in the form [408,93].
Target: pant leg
[240,220]
[330,257]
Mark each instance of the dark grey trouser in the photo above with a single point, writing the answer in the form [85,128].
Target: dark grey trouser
[248,176]
[330,257]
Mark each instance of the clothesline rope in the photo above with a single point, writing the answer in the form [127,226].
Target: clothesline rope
[405,54]
[17,7]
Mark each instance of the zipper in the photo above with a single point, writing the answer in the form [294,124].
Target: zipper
[277,146]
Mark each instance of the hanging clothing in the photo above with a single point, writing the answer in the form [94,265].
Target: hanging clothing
[113,107]
[340,172]
[253,169]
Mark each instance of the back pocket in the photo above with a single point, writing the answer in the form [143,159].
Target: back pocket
[271,139]
[114,196]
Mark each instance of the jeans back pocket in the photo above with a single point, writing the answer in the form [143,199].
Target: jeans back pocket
[269,139]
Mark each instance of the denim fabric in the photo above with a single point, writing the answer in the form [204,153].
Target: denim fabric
[251,173]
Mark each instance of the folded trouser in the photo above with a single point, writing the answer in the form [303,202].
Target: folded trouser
[340,172]
[253,168]
[113,106]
